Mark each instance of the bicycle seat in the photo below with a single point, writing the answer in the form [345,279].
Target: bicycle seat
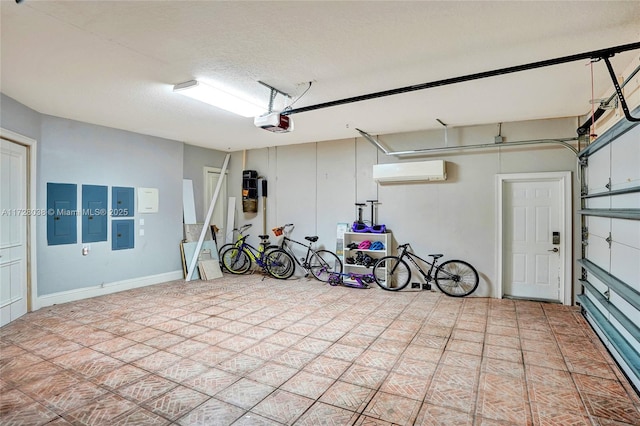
[263,237]
[436,256]
[312,239]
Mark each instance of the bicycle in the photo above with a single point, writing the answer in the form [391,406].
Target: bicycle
[239,258]
[320,263]
[454,278]
[361,280]
[224,247]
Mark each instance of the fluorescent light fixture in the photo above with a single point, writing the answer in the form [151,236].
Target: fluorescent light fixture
[219,98]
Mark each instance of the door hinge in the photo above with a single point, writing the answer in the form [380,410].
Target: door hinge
[607,294]
[608,240]
[608,185]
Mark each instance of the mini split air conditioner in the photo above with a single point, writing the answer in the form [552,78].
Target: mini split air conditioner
[419,171]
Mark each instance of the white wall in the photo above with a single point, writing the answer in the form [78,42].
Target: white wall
[316,185]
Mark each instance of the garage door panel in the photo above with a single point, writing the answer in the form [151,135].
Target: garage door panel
[623,331]
[598,203]
[625,157]
[625,264]
[611,266]
[625,308]
[598,252]
[598,226]
[595,282]
[598,171]
[596,301]
[626,232]
[625,201]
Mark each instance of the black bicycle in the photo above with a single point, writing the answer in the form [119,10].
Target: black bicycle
[455,278]
[319,263]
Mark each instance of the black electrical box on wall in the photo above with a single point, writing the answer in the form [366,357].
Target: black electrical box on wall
[249,191]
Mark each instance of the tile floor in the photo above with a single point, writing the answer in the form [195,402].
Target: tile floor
[248,351]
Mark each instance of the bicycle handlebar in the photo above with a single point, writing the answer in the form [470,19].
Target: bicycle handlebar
[278,230]
[243,227]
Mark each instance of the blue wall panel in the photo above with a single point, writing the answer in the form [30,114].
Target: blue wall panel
[62,210]
[94,213]
[122,233]
[122,199]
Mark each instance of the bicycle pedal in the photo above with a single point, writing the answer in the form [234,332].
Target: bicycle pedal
[426,286]
[415,285]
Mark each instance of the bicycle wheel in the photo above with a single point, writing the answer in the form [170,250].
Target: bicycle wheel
[279,264]
[457,278]
[323,263]
[235,260]
[222,249]
[391,273]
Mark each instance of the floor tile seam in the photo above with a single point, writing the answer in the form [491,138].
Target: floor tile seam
[431,313]
[64,412]
[71,372]
[137,406]
[572,374]
[185,415]
[146,404]
[476,400]
[276,389]
[527,381]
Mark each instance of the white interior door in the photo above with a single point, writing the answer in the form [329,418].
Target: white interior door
[533,260]
[13,231]
[212,175]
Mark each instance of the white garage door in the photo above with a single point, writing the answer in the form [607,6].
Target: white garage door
[611,240]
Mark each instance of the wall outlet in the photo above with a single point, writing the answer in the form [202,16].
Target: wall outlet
[85,250]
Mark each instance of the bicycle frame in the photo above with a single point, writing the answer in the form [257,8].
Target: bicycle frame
[255,254]
[412,256]
[287,247]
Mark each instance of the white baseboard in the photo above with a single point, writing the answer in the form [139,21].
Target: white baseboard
[85,293]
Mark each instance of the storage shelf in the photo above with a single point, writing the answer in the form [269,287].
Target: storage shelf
[358,237]
[359,267]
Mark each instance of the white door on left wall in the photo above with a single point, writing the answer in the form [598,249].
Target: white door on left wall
[13,232]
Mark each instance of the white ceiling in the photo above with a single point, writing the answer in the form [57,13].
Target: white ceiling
[114,63]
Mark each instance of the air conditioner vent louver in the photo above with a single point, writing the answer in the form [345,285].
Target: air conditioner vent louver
[420,171]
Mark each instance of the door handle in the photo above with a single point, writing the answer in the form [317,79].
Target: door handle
[555,250]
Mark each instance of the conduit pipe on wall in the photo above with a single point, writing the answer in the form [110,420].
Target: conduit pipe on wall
[562,142]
